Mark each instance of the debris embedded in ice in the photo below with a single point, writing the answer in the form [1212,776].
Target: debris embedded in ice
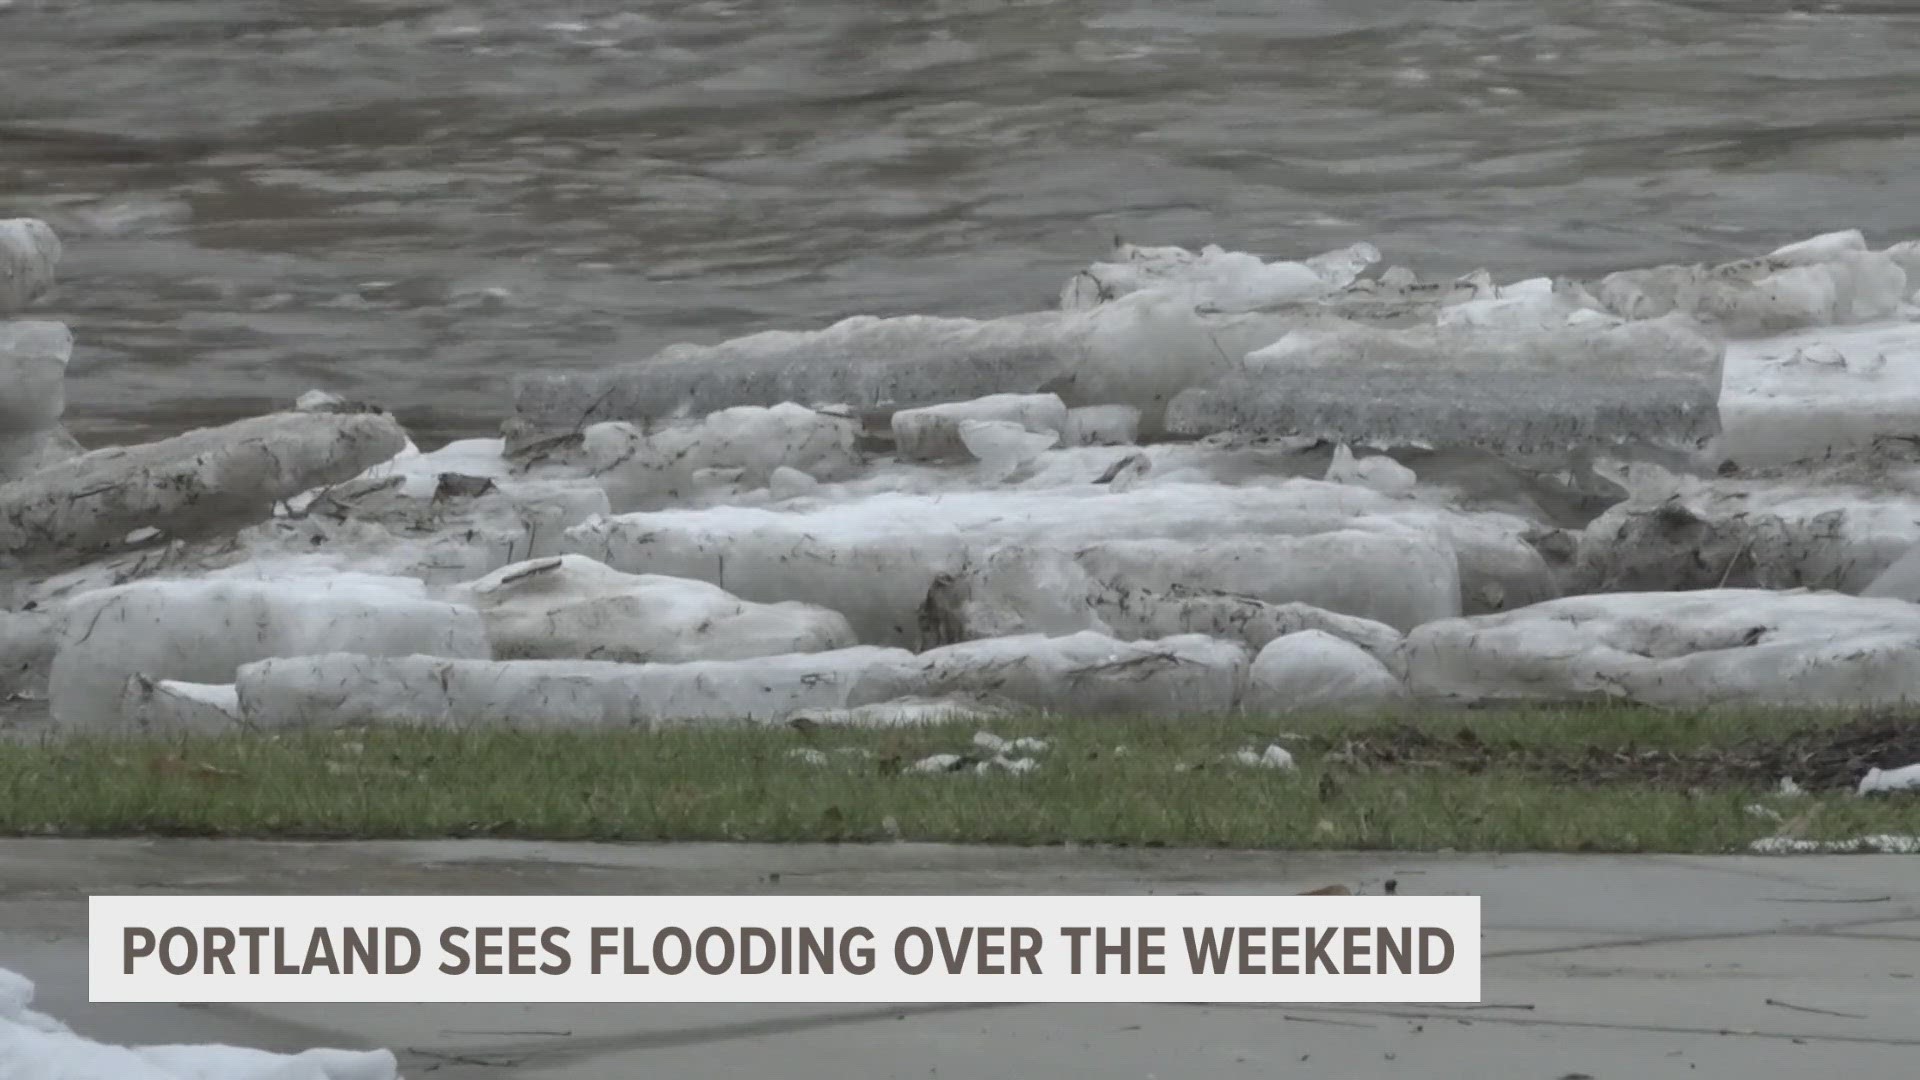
[203,631]
[1003,447]
[932,433]
[1814,530]
[1889,781]
[1314,670]
[1102,425]
[29,253]
[1379,472]
[1716,647]
[346,690]
[571,607]
[1127,472]
[206,482]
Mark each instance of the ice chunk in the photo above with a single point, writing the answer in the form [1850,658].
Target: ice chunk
[1816,393]
[1004,447]
[206,482]
[1379,472]
[1213,275]
[1084,673]
[666,466]
[790,483]
[1274,756]
[344,689]
[34,1046]
[933,433]
[1765,295]
[1316,670]
[27,644]
[913,711]
[1889,781]
[168,707]
[33,369]
[1823,248]
[1736,647]
[1102,425]
[202,631]
[572,607]
[1900,580]
[29,252]
[1653,384]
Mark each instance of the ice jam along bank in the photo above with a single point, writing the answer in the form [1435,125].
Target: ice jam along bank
[789,950]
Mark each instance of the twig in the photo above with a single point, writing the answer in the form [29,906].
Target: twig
[1810,1009]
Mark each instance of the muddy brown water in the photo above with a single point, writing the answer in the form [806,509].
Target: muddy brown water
[411,200]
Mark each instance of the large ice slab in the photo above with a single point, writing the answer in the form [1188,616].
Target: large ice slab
[206,482]
[867,363]
[1652,384]
[1139,350]
[1742,647]
[1812,394]
[874,559]
[1081,674]
[29,253]
[203,631]
[342,689]
[572,607]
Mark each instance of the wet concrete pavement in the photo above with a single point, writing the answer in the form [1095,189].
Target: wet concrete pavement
[1595,966]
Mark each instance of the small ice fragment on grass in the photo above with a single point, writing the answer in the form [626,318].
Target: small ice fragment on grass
[1030,744]
[1875,844]
[1889,781]
[142,535]
[1758,811]
[938,763]
[808,755]
[987,740]
[1274,756]
[1789,788]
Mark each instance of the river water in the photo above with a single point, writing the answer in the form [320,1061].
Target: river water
[412,200]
